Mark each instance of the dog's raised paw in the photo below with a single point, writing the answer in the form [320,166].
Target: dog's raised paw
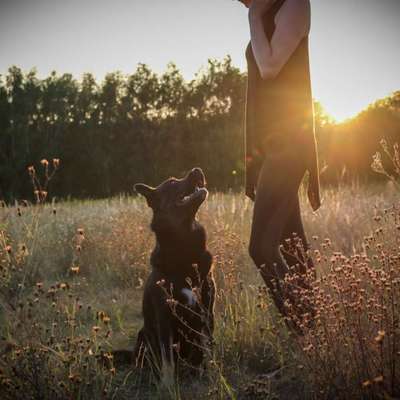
[190,296]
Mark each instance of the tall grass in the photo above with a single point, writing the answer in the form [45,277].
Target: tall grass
[71,286]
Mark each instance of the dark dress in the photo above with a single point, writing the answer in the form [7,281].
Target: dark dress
[279,112]
[280,148]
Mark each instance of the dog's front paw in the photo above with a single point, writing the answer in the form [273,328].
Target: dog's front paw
[190,296]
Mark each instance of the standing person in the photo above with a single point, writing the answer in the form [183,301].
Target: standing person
[280,140]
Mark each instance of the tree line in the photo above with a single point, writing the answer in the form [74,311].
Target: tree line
[145,127]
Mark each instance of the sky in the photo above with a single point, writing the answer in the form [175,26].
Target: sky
[354,44]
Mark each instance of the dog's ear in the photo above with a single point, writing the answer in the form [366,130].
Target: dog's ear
[146,191]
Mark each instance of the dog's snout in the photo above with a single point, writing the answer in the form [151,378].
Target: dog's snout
[198,176]
[197,171]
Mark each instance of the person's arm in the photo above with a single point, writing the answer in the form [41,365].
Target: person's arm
[293,23]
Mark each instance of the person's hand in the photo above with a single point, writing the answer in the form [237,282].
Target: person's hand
[313,198]
[246,2]
[250,192]
[259,7]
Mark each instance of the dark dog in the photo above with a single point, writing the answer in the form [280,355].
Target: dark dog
[179,294]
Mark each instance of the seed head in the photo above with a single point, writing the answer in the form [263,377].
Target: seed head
[95,329]
[75,270]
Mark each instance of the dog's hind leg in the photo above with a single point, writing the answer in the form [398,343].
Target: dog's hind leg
[166,334]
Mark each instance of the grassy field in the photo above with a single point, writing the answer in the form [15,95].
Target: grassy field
[71,286]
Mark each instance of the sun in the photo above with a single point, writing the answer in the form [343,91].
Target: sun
[343,104]
[340,115]
[342,109]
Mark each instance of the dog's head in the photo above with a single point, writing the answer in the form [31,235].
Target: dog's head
[175,202]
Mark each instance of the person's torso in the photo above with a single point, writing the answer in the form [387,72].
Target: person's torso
[285,102]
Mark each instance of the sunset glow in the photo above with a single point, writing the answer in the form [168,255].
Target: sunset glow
[341,109]
[351,43]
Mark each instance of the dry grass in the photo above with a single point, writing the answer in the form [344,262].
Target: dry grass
[71,285]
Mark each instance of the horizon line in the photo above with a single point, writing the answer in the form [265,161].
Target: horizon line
[100,79]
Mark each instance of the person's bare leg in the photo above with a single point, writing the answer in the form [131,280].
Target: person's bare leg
[295,246]
[294,241]
[275,200]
